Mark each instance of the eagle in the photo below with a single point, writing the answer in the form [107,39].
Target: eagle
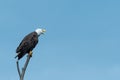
[28,43]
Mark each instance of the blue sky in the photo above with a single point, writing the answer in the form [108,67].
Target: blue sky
[81,43]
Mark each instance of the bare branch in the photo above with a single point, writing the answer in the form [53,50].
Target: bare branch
[25,66]
[18,68]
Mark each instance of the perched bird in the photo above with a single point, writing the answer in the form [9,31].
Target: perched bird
[28,43]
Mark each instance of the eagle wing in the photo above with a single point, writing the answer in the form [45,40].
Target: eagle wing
[27,44]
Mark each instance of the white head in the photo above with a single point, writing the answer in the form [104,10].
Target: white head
[40,31]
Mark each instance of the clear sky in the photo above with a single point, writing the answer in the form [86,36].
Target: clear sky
[82,41]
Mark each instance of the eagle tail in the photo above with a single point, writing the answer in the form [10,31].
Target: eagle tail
[17,54]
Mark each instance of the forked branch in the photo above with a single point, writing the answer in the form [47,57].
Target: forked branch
[21,74]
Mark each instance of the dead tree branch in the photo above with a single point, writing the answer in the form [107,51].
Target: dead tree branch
[25,66]
[18,69]
[21,74]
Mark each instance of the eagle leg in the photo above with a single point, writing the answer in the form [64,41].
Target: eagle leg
[30,53]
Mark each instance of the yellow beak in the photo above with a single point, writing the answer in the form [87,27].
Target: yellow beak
[43,30]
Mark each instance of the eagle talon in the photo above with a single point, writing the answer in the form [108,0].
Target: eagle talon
[30,53]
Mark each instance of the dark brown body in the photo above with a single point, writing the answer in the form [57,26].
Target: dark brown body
[28,44]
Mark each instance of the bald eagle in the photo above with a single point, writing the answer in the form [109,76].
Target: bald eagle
[28,43]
